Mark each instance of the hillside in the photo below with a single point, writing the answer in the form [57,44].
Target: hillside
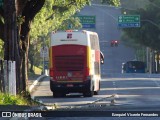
[134,4]
[129,4]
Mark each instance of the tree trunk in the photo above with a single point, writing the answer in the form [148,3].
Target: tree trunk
[32,63]
[30,10]
[16,38]
[12,44]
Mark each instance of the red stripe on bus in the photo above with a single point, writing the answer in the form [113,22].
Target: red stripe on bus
[97,55]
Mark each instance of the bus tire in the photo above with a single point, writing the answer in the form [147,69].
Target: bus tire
[51,87]
[89,93]
[95,92]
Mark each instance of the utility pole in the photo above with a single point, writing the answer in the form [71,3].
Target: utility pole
[147,59]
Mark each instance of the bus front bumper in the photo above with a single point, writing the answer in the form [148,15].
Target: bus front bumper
[70,87]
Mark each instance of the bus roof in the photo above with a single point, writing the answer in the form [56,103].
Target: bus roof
[74,31]
[71,37]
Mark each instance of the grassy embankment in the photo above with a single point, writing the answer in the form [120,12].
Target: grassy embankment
[23,98]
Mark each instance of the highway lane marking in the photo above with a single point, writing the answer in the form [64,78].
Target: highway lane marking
[156,83]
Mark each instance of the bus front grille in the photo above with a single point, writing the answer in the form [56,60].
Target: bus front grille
[69,63]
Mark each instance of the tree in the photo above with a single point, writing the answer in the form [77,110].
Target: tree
[112,2]
[148,33]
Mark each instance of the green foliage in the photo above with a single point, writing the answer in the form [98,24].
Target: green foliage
[112,2]
[20,19]
[7,99]
[148,33]
[53,14]
[34,53]
[1,49]
[134,4]
[72,23]
[23,99]
[1,19]
[140,53]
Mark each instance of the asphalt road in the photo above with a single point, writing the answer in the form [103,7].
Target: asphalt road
[127,91]
[123,93]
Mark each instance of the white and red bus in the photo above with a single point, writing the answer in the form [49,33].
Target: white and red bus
[74,63]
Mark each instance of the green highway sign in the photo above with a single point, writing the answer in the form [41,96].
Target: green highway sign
[129,21]
[87,21]
[129,18]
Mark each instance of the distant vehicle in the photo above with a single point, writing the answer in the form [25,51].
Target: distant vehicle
[75,59]
[133,67]
[114,43]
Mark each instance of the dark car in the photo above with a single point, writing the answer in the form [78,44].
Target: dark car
[133,67]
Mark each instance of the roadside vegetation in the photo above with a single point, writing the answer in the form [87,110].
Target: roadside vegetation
[35,72]
[148,34]
[23,99]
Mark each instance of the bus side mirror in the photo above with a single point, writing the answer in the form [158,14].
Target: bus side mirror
[102,61]
[101,57]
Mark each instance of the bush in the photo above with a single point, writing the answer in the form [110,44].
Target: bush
[23,99]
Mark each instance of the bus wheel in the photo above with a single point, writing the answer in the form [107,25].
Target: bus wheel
[95,92]
[89,93]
